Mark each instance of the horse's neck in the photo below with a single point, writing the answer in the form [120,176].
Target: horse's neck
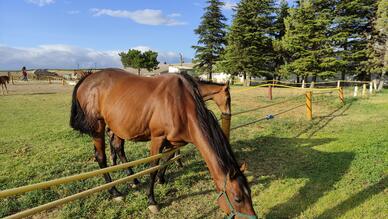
[209,90]
[209,156]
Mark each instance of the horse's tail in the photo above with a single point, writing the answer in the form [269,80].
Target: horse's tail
[78,119]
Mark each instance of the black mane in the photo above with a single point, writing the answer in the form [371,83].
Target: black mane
[213,132]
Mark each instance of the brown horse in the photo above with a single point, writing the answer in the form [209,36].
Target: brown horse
[4,80]
[81,73]
[169,111]
[217,92]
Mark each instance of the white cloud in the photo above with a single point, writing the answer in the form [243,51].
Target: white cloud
[175,15]
[56,56]
[41,3]
[229,5]
[145,16]
[66,56]
[72,12]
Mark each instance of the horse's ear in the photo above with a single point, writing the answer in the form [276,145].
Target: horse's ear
[243,167]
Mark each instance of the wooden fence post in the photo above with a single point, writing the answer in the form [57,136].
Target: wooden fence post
[303,84]
[225,124]
[370,88]
[309,105]
[338,84]
[355,91]
[12,80]
[270,92]
[341,95]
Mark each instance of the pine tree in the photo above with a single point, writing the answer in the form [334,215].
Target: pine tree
[249,49]
[351,30]
[308,41]
[211,43]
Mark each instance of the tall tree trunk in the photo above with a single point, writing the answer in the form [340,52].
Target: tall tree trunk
[297,79]
[343,75]
[245,79]
[138,71]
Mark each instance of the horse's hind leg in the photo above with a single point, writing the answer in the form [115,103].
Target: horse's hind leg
[157,145]
[162,172]
[99,146]
[117,147]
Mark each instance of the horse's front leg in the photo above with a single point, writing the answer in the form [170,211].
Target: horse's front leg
[157,145]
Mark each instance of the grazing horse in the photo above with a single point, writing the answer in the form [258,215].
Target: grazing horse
[169,111]
[217,92]
[3,81]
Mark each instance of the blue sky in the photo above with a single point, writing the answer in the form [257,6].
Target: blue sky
[68,33]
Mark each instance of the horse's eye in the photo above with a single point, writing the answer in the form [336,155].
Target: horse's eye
[237,199]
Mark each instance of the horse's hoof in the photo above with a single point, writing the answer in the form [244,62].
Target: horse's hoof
[133,186]
[154,209]
[118,199]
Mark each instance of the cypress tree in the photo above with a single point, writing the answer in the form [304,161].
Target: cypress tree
[211,43]
[351,30]
[378,62]
[249,47]
[307,39]
[281,55]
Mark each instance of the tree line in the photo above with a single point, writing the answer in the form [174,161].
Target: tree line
[314,38]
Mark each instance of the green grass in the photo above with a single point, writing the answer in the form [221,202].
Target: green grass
[332,167]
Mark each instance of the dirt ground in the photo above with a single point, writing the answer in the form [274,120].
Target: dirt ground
[37,87]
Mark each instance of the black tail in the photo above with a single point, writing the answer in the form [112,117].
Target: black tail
[78,120]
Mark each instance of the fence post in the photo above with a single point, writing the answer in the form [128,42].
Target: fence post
[363,90]
[370,88]
[270,92]
[303,84]
[355,91]
[12,80]
[312,85]
[49,80]
[225,124]
[63,81]
[338,84]
[341,95]
[309,105]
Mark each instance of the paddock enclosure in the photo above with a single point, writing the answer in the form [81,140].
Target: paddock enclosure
[333,166]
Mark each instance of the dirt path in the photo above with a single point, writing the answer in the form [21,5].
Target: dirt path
[37,87]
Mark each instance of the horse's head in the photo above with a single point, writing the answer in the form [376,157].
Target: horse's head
[223,99]
[235,196]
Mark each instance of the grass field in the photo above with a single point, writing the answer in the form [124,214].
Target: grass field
[335,166]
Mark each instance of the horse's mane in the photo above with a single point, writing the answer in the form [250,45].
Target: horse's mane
[212,131]
[210,82]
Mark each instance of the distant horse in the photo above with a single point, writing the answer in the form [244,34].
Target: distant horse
[81,73]
[4,80]
[169,111]
[217,92]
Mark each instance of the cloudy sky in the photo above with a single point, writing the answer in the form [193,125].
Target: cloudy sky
[89,33]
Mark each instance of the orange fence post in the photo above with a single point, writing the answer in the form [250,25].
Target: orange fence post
[309,105]
[341,95]
[225,124]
